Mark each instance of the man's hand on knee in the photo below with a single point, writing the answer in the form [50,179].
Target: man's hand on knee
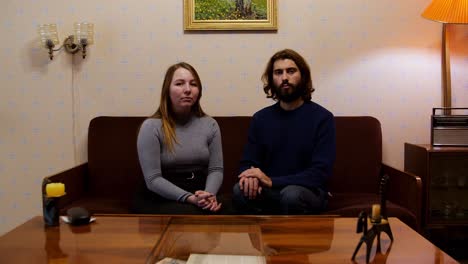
[250,187]
[258,174]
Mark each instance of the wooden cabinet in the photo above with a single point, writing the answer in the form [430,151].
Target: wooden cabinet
[444,175]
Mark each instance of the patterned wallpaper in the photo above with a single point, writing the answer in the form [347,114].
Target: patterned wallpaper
[376,58]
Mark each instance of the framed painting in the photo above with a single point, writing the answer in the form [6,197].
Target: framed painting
[230,15]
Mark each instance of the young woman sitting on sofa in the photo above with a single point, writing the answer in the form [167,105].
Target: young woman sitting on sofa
[179,149]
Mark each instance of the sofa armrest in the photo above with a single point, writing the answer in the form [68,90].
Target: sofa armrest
[404,189]
[75,180]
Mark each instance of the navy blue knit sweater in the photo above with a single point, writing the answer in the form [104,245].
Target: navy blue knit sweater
[292,147]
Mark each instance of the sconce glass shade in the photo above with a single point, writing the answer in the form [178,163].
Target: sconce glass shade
[48,35]
[447,11]
[84,33]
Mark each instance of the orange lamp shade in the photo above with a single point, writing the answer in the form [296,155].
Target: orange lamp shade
[447,11]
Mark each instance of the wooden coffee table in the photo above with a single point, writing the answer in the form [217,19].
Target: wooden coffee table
[149,239]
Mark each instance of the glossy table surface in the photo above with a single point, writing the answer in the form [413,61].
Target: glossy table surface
[149,239]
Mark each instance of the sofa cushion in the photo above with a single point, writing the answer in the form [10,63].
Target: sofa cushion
[100,204]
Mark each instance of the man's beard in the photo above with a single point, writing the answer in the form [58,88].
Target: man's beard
[289,97]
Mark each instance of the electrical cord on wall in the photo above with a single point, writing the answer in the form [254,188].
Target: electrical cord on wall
[74,111]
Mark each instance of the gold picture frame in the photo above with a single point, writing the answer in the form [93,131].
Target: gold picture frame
[230,15]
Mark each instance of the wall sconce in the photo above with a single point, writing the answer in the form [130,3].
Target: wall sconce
[82,37]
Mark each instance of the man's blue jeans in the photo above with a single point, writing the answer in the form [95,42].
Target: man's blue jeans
[289,200]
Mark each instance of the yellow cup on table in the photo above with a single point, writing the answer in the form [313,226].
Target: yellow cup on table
[55,189]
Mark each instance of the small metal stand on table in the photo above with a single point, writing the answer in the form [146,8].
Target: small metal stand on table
[379,224]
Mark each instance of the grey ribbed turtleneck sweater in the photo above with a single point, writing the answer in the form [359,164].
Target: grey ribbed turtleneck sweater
[198,147]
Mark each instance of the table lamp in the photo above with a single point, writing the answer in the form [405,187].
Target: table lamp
[447,12]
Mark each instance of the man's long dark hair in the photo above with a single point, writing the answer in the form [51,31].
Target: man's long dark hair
[306,78]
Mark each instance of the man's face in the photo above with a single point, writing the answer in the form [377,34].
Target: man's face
[286,80]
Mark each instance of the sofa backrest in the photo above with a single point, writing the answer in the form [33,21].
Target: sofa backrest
[358,152]
[234,130]
[114,169]
[358,155]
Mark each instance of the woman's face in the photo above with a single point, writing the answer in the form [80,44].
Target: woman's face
[184,91]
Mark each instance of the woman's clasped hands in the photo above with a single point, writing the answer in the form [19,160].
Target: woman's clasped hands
[205,200]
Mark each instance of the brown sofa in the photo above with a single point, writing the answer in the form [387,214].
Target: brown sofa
[106,183]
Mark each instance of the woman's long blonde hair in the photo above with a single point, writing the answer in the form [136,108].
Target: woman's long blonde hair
[165,111]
